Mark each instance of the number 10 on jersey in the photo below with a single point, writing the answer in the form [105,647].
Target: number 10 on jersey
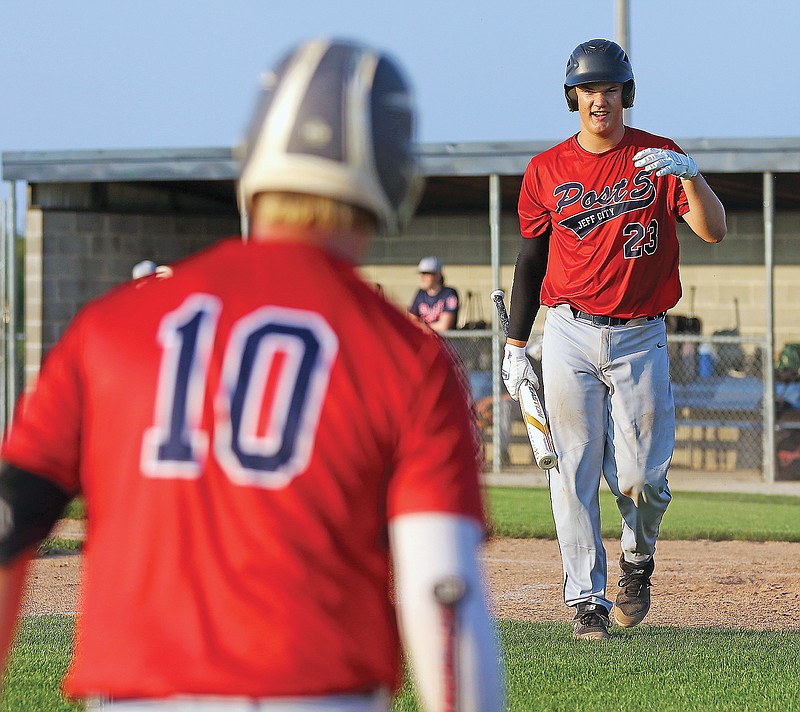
[275,372]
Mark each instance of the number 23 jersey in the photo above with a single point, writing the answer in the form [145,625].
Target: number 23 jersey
[613,244]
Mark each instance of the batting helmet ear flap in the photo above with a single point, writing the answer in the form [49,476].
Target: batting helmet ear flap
[572,98]
[628,92]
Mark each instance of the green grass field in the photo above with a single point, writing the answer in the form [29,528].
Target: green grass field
[525,513]
[37,664]
[647,668]
[659,668]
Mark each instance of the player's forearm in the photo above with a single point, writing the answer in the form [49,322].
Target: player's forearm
[12,584]
[529,272]
[445,322]
[453,649]
[31,505]
[706,214]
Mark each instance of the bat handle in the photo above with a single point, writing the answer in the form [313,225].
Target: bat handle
[498,297]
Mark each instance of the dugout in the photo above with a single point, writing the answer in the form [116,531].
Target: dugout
[91,215]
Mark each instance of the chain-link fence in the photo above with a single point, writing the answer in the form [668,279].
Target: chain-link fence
[719,390]
[718,387]
[787,412]
[504,437]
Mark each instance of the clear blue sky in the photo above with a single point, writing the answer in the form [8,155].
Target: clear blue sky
[110,74]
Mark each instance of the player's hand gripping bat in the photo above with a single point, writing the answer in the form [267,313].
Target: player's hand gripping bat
[532,412]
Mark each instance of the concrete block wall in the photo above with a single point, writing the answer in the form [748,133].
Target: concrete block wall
[83,255]
[715,289]
[713,276]
[77,250]
[457,239]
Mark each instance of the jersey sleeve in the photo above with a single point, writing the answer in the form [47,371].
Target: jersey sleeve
[451,300]
[534,217]
[414,308]
[45,435]
[436,467]
[678,200]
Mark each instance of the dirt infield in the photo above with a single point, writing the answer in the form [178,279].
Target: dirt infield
[697,583]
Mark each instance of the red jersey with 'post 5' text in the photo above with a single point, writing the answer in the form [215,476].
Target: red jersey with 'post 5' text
[613,244]
[243,429]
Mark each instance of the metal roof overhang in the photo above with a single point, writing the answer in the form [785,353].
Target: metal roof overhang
[122,165]
[456,172]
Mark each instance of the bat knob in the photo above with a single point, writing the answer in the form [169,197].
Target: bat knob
[498,294]
[548,462]
[450,590]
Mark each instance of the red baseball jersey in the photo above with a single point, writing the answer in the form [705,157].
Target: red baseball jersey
[242,431]
[613,244]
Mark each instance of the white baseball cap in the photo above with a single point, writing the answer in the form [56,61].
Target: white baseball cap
[143,268]
[430,265]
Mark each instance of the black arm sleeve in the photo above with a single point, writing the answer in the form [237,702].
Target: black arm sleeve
[529,274]
[29,506]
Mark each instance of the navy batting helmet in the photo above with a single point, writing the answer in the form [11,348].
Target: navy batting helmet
[335,119]
[599,61]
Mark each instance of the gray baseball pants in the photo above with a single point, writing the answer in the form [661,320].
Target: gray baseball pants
[609,401]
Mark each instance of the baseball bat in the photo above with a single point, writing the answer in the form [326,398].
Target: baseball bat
[532,412]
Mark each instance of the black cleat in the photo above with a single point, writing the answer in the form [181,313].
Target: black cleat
[633,599]
[591,622]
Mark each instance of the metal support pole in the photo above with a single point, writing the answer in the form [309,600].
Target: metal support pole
[244,222]
[621,22]
[623,40]
[5,334]
[769,356]
[494,228]
[494,236]
[12,370]
[13,327]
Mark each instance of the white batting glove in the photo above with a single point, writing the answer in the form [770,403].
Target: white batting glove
[664,162]
[516,368]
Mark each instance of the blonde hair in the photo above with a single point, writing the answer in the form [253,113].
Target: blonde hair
[311,211]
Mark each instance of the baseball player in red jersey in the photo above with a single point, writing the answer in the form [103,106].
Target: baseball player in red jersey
[265,506]
[597,215]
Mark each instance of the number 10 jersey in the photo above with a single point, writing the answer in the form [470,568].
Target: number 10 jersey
[243,429]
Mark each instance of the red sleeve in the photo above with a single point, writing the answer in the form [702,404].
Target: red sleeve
[681,201]
[45,434]
[678,200]
[534,218]
[437,468]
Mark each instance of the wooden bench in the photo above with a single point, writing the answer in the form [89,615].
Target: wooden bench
[721,444]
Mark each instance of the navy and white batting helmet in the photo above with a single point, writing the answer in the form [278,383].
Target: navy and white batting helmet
[599,61]
[336,119]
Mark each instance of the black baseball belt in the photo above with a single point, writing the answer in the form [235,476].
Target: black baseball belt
[609,320]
